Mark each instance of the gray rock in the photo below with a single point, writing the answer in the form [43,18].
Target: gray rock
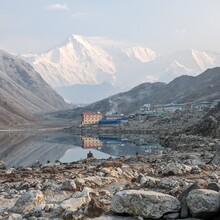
[15,217]
[182,197]
[171,216]
[170,185]
[23,186]
[200,184]
[78,199]
[2,165]
[147,204]
[29,201]
[175,169]
[148,181]
[80,183]
[202,201]
[109,217]
[68,185]
[94,180]
[196,170]
[213,186]
[73,204]
[184,208]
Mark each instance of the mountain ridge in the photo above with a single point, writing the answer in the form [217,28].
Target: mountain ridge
[183,89]
[93,60]
[23,92]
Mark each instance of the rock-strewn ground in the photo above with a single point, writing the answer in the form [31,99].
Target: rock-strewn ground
[87,189]
[182,182]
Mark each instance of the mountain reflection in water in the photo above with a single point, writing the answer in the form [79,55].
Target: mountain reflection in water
[24,149]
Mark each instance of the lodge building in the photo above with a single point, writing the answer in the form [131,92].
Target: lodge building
[91,118]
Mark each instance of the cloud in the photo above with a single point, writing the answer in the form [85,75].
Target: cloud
[57,6]
[180,31]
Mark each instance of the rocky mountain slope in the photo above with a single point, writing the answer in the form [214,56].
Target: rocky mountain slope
[209,126]
[23,92]
[183,89]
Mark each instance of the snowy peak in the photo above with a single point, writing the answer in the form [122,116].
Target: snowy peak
[187,62]
[142,54]
[177,68]
[204,59]
[86,60]
[95,60]
[75,62]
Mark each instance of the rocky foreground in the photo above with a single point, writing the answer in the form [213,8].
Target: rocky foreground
[182,182]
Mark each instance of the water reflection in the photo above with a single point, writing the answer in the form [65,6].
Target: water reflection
[120,146]
[25,149]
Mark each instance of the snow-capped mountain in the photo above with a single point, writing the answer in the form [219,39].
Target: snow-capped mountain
[86,60]
[187,62]
[96,60]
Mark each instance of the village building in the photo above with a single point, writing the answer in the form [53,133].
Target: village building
[145,108]
[201,105]
[149,115]
[91,118]
[113,119]
[215,102]
[172,107]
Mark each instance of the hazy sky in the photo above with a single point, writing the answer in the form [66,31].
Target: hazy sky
[164,25]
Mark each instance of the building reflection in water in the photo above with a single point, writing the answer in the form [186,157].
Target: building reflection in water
[99,142]
[91,142]
[119,146]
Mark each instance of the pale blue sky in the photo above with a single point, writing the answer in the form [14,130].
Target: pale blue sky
[164,25]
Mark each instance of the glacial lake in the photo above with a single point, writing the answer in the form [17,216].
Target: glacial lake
[26,148]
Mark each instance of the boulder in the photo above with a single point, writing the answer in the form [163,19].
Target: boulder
[147,204]
[95,208]
[111,164]
[15,217]
[175,169]
[171,216]
[69,185]
[73,204]
[93,180]
[200,184]
[203,202]
[77,201]
[214,186]
[29,201]
[110,172]
[148,181]
[170,185]
[23,186]
[80,183]
[2,165]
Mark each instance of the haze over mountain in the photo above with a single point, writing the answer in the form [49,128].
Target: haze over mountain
[23,92]
[95,60]
[183,89]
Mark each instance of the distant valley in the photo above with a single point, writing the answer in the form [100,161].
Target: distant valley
[24,93]
[183,89]
[87,93]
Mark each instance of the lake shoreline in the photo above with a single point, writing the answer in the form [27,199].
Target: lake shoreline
[97,181]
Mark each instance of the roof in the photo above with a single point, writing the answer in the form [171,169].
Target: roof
[168,105]
[91,113]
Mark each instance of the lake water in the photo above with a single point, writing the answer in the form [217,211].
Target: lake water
[26,148]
